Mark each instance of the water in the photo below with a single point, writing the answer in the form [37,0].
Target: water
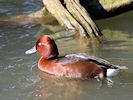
[20,78]
[15,7]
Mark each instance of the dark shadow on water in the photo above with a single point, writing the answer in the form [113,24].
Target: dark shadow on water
[97,11]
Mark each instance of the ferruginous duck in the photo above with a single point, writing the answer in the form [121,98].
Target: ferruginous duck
[78,65]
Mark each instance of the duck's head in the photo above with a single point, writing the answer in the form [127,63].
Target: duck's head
[45,46]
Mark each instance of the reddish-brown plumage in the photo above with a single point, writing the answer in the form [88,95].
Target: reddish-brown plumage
[47,47]
[64,66]
[84,69]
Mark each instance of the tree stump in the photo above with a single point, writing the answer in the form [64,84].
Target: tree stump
[78,15]
[71,13]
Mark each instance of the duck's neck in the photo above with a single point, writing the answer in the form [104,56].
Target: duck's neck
[52,58]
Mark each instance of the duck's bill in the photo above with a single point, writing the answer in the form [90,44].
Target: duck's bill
[30,51]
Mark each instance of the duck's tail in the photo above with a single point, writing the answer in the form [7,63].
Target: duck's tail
[114,71]
[120,67]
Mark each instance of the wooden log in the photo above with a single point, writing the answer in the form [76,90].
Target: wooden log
[72,16]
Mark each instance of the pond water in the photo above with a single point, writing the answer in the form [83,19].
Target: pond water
[20,78]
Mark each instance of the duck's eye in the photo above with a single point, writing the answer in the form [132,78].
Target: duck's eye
[40,44]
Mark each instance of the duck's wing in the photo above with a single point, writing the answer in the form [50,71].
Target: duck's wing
[72,58]
[69,59]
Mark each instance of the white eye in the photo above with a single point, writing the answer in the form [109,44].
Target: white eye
[39,44]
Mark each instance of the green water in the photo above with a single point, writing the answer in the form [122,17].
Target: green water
[20,78]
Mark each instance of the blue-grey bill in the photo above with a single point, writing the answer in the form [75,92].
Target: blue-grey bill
[30,51]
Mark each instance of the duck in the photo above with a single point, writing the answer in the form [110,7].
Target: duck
[78,65]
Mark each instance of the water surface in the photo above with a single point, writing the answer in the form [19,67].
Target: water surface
[20,78]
